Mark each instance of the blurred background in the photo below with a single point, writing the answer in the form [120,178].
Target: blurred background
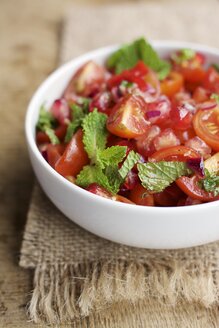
[30,32]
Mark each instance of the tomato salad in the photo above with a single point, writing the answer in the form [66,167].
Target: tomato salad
[139,129]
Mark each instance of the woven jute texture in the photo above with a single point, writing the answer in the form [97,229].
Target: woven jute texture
[86,281]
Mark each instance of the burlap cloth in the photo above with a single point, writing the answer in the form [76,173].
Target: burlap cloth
[86,281]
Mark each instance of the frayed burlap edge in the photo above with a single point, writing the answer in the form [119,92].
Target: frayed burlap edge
[63,293]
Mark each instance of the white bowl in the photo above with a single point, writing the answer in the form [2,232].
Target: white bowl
[140,226]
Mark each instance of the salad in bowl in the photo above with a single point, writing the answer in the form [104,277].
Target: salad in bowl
[138,129]
[124,141]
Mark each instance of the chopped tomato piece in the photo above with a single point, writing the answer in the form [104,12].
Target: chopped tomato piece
[169,197]
[211,80]
[86,81]
[134,75]
[98,190]
[193,75]
[74,156]
[200,94]
[190,186]
[54,153]
[172,84]
[191,201]
[122,199]
[177,153]
[140,196]
[206,126]
[127,118]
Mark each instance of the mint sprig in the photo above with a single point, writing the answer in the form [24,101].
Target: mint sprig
[111,156]
[45,123]
[127,57]
[103,168]
[159,175]
[95,134]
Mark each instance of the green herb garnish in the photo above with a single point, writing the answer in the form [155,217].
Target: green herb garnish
[128,56]
[210,183]
[45,123]
[77,119]
[129,163]
[157,176]
[104,161]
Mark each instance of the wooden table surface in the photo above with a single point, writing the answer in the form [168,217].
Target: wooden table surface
[28,39]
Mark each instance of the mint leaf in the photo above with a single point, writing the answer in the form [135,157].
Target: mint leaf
[157,176]
[77,119]
[129,163]
[111,155]
[94,174]
[95,133]
[124,58]
[45,124]
[210,183]
[128,56]
[114,178]
[90,174]
[151,58]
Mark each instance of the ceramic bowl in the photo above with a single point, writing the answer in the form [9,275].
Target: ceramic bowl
[140,226]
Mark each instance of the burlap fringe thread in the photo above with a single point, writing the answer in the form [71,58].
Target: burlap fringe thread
[63,293]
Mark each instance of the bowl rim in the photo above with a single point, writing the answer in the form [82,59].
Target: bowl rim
[100,52]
